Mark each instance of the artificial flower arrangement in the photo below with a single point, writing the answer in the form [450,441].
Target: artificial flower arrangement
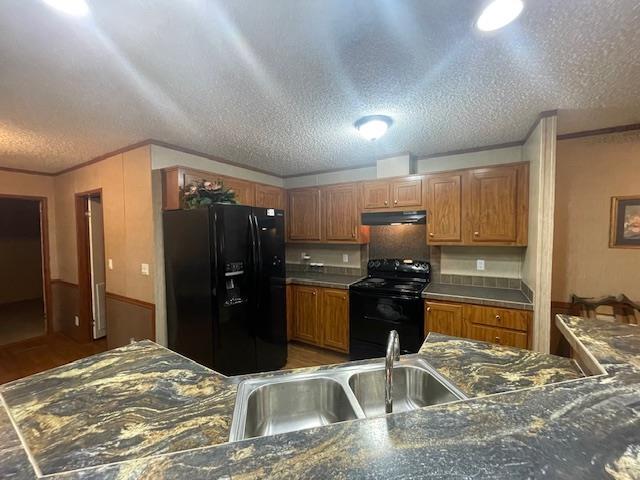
[203,193]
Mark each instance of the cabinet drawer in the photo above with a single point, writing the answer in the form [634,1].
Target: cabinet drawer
[498,317]
[500,336]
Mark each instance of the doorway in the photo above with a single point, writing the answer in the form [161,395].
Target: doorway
[91,264]
[24,268]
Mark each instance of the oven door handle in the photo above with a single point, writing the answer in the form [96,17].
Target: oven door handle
[390,322]
[384,295]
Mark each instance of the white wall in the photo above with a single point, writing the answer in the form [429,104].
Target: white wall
[503,262]
[540,151]
[342,176]
[162,157]
[469,160]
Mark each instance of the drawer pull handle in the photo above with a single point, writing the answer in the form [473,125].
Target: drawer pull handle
[431,234]
[476,233]
[498,318]
[428,309]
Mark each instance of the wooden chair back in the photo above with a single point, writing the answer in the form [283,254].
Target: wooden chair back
[620,309]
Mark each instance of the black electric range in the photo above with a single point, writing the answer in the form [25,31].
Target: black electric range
[390,298]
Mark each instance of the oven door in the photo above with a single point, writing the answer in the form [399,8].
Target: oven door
[372,316]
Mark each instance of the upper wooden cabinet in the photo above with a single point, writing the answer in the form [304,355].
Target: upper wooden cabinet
[305,218]
[247,192]
[407,193]
[341,212]
[483,206]
[328,214]
[444,200]
[397,193]
[269,197]
[375,195]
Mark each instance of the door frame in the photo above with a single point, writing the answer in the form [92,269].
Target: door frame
[85,309]
[44,249]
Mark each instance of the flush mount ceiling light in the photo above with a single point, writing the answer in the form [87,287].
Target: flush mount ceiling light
[77,8]
[498,14]
[373,127]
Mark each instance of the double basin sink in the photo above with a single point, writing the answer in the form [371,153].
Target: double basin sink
[296,401]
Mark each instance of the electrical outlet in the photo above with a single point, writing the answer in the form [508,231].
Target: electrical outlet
[76,320]
[345,258]
[144,268]
[480,264]
[110,263]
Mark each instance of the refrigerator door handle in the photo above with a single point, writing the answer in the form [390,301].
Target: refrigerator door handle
[257,261]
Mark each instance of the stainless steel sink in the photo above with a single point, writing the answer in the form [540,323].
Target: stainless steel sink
[295,405]
[412,388]
[296,401]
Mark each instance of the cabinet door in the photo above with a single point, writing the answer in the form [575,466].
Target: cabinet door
[304,214]
[375,195]
[493,200]
[335,319]
[445,318]
[444,201]
[305,327]
[341,212]
[269,197]
[407,193]
[244,190]
[500,336]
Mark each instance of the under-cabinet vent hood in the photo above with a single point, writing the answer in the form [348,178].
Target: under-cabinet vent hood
[418,217]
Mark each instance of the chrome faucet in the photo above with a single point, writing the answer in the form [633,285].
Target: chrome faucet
[393,354]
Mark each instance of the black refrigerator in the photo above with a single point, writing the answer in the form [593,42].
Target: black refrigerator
[226,292]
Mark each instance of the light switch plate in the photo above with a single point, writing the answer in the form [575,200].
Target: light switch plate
[144,268]
[76,320]
[480,264]
[345,258]
[110,263]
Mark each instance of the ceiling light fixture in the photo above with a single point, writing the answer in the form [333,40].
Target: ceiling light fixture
[498,14]
[373,127]
[77,8]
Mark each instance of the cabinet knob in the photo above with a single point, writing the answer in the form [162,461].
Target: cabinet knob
[386,203]
[498,318]
[476,233]
[395,201]
[314,293]
[428,309]
[431,234]
[497,339]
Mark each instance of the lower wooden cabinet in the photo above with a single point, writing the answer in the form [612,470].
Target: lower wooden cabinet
[445,318]
[320,316]
[503,326]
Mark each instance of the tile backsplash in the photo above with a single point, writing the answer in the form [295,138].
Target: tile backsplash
[399,241]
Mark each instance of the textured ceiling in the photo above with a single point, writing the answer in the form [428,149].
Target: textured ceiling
[277,84]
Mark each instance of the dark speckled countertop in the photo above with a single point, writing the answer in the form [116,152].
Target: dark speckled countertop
[145,412]
[497,297]
[326,280]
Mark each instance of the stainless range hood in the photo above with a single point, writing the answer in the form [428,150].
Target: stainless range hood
[418,217]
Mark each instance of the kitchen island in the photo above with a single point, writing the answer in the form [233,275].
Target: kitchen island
[145,412]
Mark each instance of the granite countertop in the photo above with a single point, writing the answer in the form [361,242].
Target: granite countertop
[497,297]
[323,279]
[532,415]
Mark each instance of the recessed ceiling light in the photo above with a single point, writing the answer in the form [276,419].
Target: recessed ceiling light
[77,8]
[373,127]
[498,14]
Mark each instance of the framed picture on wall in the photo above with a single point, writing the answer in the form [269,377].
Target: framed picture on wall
[625,222]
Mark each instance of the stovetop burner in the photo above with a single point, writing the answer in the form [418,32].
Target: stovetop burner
[395,275]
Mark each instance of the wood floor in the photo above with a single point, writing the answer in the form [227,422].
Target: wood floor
[21,320]
[301,355]
[39,354]
[36,355]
